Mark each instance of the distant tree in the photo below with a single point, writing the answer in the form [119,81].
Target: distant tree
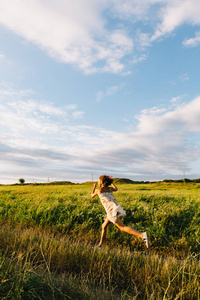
[21,180]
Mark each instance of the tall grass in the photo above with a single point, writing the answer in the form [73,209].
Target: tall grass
[169,213]
[37,265]
[47,234]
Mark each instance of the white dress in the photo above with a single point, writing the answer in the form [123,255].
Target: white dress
[113,209]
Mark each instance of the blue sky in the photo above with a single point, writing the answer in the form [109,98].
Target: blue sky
[99,87]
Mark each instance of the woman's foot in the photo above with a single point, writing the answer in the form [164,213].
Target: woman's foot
[97,247]
[145,239]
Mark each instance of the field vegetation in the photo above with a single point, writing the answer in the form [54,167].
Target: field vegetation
[47,233]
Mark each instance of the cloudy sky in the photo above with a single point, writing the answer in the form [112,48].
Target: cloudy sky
[99,87]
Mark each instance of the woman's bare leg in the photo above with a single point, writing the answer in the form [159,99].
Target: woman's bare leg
[103,234]
[127,229]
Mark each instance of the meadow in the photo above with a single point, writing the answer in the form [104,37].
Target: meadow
[47,233]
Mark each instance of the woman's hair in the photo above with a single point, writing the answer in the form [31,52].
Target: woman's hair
[105,180]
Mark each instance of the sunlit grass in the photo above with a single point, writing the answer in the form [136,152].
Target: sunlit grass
[38,263]
[47,233]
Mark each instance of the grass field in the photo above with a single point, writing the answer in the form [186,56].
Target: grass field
[47,233]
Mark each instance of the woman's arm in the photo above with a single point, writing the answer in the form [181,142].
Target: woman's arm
[94,191]
[114,188]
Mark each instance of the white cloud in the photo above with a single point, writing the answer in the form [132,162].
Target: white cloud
[78,114]
[82,33]
[112,90]
[8,91]
[73,32]
[136,10]
[175,99]
[167,15]
[160,143]
[141,58]
[184,118]
[192,42]
[153,111]
[176,13]
[19,113]
[184,77]
[39,137]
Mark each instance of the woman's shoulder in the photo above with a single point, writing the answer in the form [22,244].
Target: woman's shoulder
[99,191]
[105,190]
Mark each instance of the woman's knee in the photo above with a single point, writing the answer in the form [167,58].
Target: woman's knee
[124,229]
[121,227]
[104,225]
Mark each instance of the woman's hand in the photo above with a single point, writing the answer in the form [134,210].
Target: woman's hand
[114,187]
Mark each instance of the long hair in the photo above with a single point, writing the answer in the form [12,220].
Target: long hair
[106,180]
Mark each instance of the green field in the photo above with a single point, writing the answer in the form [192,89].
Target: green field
[47,233]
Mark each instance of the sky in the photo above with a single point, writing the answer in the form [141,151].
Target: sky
[92,87]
